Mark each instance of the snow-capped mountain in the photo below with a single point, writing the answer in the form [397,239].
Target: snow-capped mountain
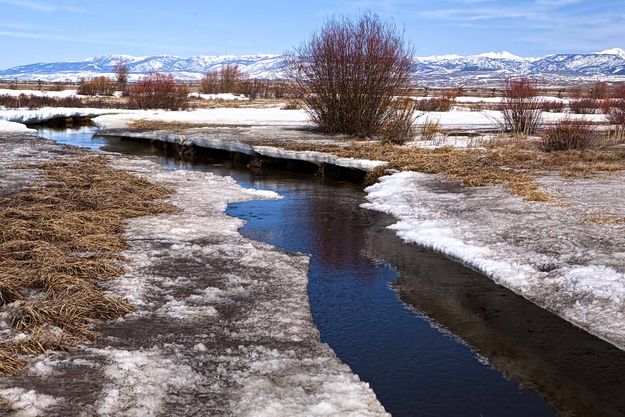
[256,66]
[432,70]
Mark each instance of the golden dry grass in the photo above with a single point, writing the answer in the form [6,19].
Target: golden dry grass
[513,163]
[605,219]
[176,126]
[59,240]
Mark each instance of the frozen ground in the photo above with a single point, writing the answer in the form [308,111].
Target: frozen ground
[222,324]
[37,93]
[549,253]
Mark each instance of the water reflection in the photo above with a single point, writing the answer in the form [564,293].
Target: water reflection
[576,372]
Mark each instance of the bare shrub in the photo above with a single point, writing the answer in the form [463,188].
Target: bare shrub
[619,92]
[158,91]
[251,88]
[585,106]
[616,115]
[349,75]
[121,75]
[230,78]
[57,86]
[399,127]
[569,134]
[552,106]
[210,83]
[34,102]
[599,90]
[576,92]
[98,86]
[520,106]
[435,104]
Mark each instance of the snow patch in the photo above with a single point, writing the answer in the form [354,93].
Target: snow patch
[220,96]
[27,403]
[137,381]
[13,127]
[551,257]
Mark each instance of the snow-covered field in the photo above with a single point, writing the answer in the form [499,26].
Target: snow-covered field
[550,254]
[74,93]
[37,93]
[118,118]
[493,100]
[218,116]
[220,96]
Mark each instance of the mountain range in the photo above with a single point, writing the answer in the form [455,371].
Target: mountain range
[432,70]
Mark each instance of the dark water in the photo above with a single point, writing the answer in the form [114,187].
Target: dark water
[431,337]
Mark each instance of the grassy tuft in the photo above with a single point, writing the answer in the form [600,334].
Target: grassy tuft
[59,240]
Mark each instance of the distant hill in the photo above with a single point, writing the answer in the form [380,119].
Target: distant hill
[433,70]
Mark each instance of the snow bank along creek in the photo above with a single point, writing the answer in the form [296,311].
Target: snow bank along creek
[428,335]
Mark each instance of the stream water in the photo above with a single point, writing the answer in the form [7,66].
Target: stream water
[430,336]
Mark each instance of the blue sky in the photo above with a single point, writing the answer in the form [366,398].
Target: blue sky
[58,30]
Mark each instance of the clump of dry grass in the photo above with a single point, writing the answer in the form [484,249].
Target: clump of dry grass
[176,126]
[513,163]
[59,239]
[429,129]
[292,105]
[605,219]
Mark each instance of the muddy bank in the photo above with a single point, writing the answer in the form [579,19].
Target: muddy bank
[222,324]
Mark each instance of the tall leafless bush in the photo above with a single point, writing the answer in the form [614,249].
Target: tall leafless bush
[521,107]
[230,77]
[210,83]
[158,91]
[121,74]
[350,74]
[98,86]
[599,90]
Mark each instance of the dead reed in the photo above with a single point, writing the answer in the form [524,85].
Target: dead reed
[60,238]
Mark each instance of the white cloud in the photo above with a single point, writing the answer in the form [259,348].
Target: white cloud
[42,7]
